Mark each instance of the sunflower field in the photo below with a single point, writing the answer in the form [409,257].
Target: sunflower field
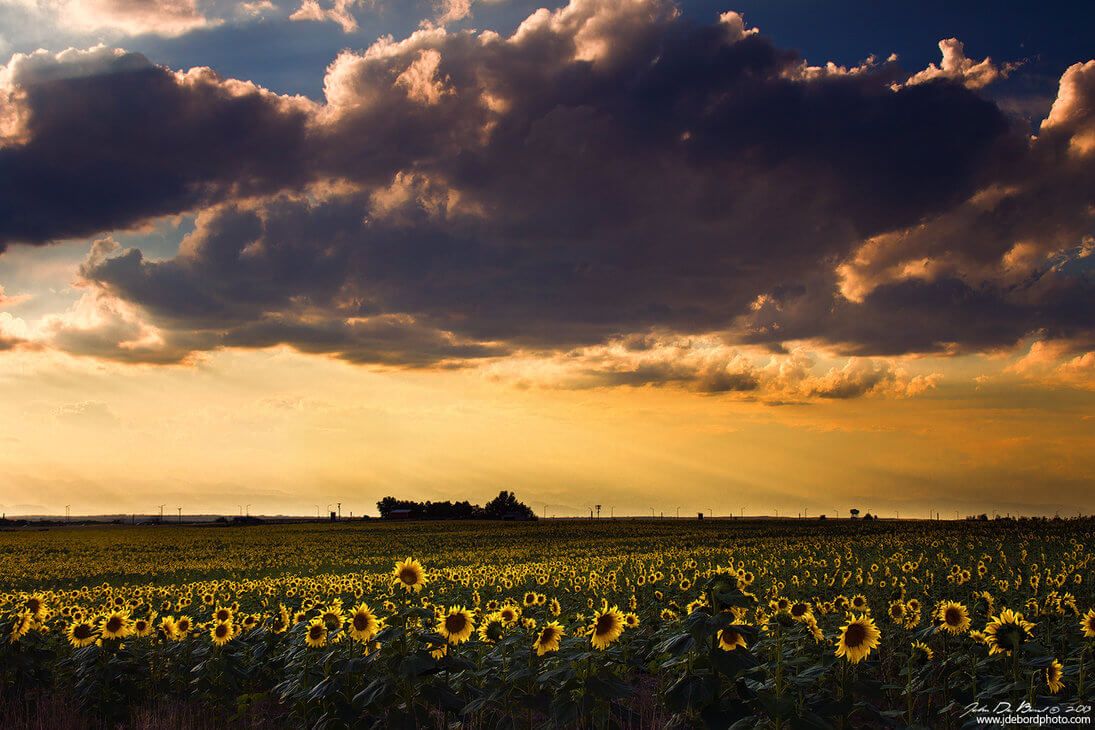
[558,623]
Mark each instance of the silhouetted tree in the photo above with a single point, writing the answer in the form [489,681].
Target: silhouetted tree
[504,506]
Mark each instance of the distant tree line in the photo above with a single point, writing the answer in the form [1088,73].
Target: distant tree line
[503,507]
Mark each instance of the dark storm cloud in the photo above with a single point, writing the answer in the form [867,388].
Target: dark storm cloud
[945,314]
[100,140]
[609,169]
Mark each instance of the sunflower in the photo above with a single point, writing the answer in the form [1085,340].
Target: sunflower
[509,614]
[953,617]
[922,652]
[859,602]
[548,640]
[1007,632]
[142,626]
[631,620]
[35,604]
[80,633]
[1087,624]
[316,636]
[332,616]
[456,625]
[221,633]
[529,599]
[115,626]
[800,610]
[1053,677]
[167,628]
[897,611]
[183,624]
[21,625]
[608,624]
[729,640]
[222,615]
[857,638]
[492,629]
[363,626]
[410,575]
[555,607]
[668,614]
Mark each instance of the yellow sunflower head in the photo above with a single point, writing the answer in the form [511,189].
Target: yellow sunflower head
[1007,632]
[921,652]
[316,634]
[115,625]
[1087,624]
[456,625]
[410,575]
[730,640]
[548,638]
[363,625]
[492,629]
[221,633]
[80,634]
[858,638]
[953,617]
[1054,672]
[608,624]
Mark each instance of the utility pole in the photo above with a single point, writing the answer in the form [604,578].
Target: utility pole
[340,510]
[180,514]
[161,513]
[678,513]
[68,513]
[247,511]
[317,511]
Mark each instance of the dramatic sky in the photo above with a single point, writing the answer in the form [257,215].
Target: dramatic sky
[762,255]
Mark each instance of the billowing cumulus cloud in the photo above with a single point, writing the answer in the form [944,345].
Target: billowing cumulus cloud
[959,67]
[101,139]
[707,364]
[340,12]
[121,17]
[609,170]
[165,17]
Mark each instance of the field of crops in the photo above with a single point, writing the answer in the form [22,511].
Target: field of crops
[626,623]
